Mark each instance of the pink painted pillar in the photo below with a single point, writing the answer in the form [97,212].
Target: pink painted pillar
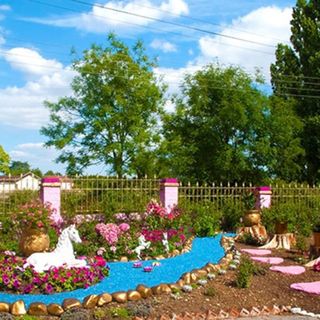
[169,192]
[263,197]
[50,192]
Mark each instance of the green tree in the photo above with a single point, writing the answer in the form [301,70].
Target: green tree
[113,114]
[296,76]
[4,161]
[19,167]
[225,129]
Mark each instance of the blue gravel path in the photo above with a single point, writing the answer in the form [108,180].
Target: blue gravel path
[124,277]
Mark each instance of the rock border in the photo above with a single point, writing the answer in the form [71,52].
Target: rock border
[18,307]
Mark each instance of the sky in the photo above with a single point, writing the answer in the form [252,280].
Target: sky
[37,37]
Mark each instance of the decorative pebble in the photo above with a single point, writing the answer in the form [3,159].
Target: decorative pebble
[233,267]
[55,309]
[236,261]
[296,310]
[156,264]
[137,264]
[222,271]
[211,276]
[18,308]
[147,269]
[38,309]
[202,282]
[186,288]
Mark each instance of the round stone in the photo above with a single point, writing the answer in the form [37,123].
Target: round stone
[103,299]
[144,291]
[70,303]
[90,301]
[55,309]
[4,307]
[120,296]
[18,308]
[38,309]
[133,295]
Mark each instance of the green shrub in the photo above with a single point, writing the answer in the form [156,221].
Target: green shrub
[231,215]
[244,273]
[299,217]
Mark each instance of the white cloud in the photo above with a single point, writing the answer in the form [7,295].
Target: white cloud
[5,7]
[103,17]
[31,62]
[268,25]
[163,45]
[36,155]
[23,106]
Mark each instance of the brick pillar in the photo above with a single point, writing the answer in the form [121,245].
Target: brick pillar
[263,197]
[50,192]
[169,192]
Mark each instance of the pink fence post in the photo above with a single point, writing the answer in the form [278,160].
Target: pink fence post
[169,192]
[263,197]
[50,192]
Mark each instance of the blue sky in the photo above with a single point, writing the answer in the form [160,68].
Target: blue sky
[36,37]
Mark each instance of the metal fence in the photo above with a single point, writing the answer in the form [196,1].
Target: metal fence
[108,195]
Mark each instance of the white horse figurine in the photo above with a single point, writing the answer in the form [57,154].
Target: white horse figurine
[62,255]
[165,241]
[143,244]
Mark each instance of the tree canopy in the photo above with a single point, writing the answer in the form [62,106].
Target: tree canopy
[296,76]
[4,161]
[225,129]
[112,116]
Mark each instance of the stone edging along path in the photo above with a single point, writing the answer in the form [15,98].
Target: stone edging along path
[207,256]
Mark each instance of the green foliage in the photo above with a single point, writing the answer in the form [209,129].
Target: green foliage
[292,73]
[231,216]
[119,312]
[245,273]
[299,217]
[249,200]
[9,234]
[229,133]
[4,161]
[100,314]
[112,117]
[204,218]
[18,167]
[301,243]
[27,317]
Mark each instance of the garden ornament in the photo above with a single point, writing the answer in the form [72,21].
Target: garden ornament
[165,241]
[62,255]
[143,244]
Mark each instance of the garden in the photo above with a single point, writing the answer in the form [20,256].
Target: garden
[152,261]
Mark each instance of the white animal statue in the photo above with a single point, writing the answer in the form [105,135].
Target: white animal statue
[143,244]
[165,241]
[62,255]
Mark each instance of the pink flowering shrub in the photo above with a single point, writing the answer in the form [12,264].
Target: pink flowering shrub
[14,277]
[110,232]
[34,215]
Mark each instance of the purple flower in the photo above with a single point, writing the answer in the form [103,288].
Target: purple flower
[5,279]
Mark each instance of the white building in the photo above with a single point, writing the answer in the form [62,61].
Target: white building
[28,181]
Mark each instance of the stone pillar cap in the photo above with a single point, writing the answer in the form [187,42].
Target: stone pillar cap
[53,179]
[263,188]
[169,180]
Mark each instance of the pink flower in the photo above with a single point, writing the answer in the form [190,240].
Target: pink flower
[124,227]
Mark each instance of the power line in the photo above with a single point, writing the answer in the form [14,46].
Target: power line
[173,23]
[152,28]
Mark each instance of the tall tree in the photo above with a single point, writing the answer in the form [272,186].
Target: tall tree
[224,129]
[296,75]
[4,161]
[112,116]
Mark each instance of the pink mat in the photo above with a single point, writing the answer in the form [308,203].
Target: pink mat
[309,287]
[289,269]
[257,252]
[271,260]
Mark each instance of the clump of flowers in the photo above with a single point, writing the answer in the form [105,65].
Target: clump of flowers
[15,277]
[111,232]
[34,215]
[154,208]
[316,266]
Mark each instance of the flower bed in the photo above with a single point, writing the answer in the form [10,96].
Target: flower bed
[16,277]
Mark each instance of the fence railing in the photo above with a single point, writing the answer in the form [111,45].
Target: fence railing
[108,195]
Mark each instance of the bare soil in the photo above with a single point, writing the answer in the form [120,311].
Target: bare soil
[270,289]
